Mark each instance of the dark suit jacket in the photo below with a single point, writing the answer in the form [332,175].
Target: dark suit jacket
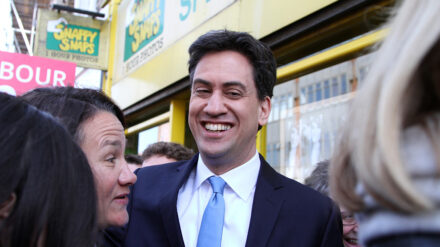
[284,212]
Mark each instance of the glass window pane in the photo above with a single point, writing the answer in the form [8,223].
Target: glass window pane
[302,96]
[343,84]
[318,92]
[307,133]
[310,94]
[335,87]
[326,89]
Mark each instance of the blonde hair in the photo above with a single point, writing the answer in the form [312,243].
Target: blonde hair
[400,90]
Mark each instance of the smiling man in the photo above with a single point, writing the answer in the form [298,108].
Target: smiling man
[227,195]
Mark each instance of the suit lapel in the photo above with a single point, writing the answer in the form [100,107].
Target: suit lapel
[168,209]
[266,206]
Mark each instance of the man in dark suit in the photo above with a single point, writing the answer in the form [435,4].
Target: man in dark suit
[227,195]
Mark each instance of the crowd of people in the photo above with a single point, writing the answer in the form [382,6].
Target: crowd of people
[65,179]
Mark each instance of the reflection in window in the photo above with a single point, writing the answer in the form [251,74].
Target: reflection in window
[302,97]
[310,94]
[318,92]
[284,106]
[326,89]
[276,109]
[290,105]
[335,87]
[305,134]
[362,73]
[343,84]
[269,154]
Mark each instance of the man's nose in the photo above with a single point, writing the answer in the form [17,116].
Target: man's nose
[215,105]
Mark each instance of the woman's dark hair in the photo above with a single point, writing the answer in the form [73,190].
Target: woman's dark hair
[259,56]
[50,177]
[72,106]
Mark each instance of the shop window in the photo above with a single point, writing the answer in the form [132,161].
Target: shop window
[152,135]
[326,89]
[335,87]
[290,105]
[344,85]
[276,157]
[269,154]
[306,135]
[318,92]
[276,109]
[302,97]
[310,94]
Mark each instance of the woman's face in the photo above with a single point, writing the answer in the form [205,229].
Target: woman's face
[350,229]
[103,142]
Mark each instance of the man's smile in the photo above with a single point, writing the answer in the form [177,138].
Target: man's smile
[217,127]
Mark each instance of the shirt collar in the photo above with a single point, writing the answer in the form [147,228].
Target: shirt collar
[233,178]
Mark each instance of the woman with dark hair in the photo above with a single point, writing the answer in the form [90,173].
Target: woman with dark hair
[96,124]
[47,191]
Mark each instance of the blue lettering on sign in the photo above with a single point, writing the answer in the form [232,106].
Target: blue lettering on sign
[186,4]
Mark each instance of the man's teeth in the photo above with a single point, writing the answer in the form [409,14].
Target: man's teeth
[217,127]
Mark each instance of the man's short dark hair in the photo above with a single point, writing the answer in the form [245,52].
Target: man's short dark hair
[258,54]
[170,150]
[133,159]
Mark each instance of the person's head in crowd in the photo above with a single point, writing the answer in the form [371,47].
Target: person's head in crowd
[47,193]
[318,180]
[134,161]
[97,125]
[232,77]
[387,165]
[165,152]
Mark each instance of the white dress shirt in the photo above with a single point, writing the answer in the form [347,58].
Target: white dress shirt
[238,194]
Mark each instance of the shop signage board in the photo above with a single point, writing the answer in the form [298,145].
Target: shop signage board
[20,73]
[68,37]
[147,27]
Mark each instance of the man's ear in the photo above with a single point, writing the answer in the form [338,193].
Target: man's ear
[7,206]
[264,112]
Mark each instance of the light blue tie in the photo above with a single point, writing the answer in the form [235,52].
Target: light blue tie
[211,229]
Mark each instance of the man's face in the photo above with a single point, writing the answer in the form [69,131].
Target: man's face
[224,110]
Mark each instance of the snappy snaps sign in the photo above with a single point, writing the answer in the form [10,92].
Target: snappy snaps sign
[72,38]
[150,26]
[146,25]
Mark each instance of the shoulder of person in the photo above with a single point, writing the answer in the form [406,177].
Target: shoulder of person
[158,169]
[151,177]
[299,195]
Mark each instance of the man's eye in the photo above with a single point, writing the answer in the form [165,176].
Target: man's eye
[234,94]
[201,91]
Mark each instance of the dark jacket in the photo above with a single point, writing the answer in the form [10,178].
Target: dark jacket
[284,212]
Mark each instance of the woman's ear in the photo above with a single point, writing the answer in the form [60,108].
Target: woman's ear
[7,206]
